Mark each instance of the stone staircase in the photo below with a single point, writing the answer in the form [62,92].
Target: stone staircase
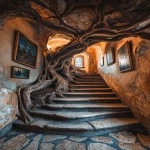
[91,108]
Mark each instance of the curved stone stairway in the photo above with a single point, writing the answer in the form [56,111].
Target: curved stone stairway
[91,108]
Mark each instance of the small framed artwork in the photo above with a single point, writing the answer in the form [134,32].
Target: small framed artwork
[20,73]
[102,61]
[25,51]
[110,55]
[124,58]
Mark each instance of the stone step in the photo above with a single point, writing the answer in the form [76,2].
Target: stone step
[91,89]
[92,82]
[89,79]
[91,100]
[92,108]
[78,116]
[90,86]
[101,126]
[90,94]
[87,75]
[87,107]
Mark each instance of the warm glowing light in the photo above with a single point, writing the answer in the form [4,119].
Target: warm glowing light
[56,42]
[48,47]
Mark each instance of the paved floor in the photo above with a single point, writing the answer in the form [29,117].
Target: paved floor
[126,140]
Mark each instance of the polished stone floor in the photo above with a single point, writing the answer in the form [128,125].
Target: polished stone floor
[125,140]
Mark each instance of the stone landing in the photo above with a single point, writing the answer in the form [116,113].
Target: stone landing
[125,140]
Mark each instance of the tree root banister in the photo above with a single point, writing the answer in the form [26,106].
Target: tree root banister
[24,115]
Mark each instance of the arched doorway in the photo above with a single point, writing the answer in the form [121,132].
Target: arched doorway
[92,60]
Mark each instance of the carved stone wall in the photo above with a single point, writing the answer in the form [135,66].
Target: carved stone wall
[8,98]
[8,106]
[133,87]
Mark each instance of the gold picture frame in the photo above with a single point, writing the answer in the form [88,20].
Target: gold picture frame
[124,58]
[25,51]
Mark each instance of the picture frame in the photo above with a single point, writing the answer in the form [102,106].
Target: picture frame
[20,73]
[110,56]
[124,58]
[25,51]
[102,61]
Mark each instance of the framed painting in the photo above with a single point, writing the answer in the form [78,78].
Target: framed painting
[110,55]
[20,73]
[25,51]
[124,58]
[102,61]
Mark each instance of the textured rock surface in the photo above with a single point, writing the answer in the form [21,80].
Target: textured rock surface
[20,140]
[15,143]
[78,139]
[69,145]
[99,146]
[46,146]
[102,139]
[34,145]
[112,122]
[8,106]
[80,19]
[14,132]
[132,86]
[126,137]
[130,146]
[1,141]
[49,138]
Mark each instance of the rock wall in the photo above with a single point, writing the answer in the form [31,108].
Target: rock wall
[133,87]
[8,98]
[8,106]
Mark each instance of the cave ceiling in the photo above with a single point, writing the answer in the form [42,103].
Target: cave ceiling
[86,22]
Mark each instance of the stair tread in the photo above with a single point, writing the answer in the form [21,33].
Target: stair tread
[84,98]
[93,82]
[43,123]
[91,89]
[79,93]
[96,78]
[113,122]
[89,93]
[75,115]
[89,80]
[98,105]
[89,77]
[99,124]
[87,85]
[78,114]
